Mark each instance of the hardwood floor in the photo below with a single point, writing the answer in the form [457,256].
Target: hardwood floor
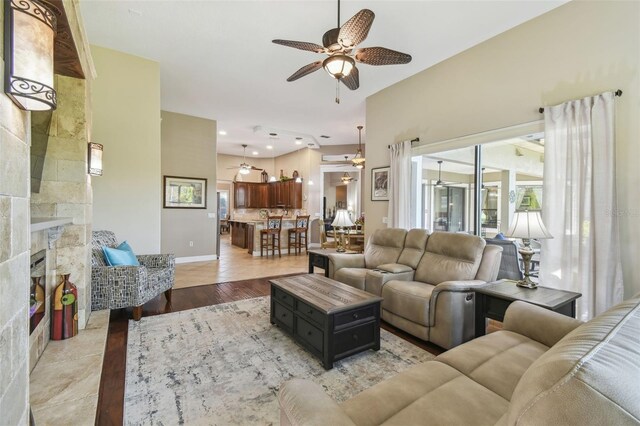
[111,398]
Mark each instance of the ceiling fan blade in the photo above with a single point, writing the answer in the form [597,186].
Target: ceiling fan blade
[352,81]
[355,30]
[307,69]
[255,168]
[381,56]
[302,45]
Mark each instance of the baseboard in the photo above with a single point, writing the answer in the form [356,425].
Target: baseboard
[190,259]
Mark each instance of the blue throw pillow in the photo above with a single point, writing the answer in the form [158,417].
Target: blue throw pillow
[499,236]
[118,257]
[125,246]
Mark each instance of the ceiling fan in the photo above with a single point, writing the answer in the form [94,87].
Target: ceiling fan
[339,43]
[244,168]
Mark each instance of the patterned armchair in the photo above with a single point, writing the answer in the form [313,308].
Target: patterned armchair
[115,287]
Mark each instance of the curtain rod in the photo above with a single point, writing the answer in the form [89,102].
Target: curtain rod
[617,93]
[412,141]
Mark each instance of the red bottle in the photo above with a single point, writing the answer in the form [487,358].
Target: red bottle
[64,321]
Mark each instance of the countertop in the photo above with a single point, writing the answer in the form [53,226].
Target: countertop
[284,219]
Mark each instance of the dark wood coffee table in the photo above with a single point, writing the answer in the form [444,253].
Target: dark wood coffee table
[330,319]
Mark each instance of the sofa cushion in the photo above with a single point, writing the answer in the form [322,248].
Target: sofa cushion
[414,246]
[431,390]
[354,277]
[395,268]
[408,299]
[450,257]
[496,361]
[384,246]
[590,376]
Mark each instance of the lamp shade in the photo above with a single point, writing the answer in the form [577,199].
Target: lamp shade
[342,219]
[30,29]
[528,225]
[338,66]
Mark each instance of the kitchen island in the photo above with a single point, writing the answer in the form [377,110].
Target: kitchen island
[245,233]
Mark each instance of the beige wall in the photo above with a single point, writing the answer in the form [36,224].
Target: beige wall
[189,150]
[126,120]
[579,49]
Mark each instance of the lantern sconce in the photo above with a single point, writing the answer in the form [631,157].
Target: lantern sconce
[95,159]
[29,31]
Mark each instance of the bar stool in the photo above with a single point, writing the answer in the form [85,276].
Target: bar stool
[274,226]
[298,232]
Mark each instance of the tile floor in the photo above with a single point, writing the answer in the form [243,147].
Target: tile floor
[64,384]
[236,264]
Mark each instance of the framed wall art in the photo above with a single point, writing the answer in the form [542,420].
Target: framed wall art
[185,193]
[380,184]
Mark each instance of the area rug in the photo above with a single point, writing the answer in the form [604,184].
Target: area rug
[223,365]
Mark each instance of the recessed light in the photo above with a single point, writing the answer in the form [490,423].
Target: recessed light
[298,142]
[222,133]
[255,152]
[269,147]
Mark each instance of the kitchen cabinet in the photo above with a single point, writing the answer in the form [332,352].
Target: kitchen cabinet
[241,195]
[254,195]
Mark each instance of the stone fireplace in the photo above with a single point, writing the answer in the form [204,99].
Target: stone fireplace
[61,211]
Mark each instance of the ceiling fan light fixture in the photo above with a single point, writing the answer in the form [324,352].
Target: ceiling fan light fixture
[339,66]
[244,170]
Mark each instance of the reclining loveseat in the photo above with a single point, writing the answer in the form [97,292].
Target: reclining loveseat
[427,280]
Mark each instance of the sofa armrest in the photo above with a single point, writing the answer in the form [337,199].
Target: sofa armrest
[303,402]
[460,286]
[539,324]
[157,260]
[395,268]
[377,278]
[339,260]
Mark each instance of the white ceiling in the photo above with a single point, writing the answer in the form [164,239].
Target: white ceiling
[217,60]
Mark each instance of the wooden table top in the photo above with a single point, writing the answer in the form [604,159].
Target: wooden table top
[326,251]
[325,294]
[546,297]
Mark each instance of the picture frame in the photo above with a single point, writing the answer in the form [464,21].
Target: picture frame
[380,184]
[184,192]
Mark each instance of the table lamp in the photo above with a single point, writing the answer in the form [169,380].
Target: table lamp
[342,220]
[527,225]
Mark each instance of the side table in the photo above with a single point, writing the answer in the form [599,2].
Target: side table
[493,299]
[320,258]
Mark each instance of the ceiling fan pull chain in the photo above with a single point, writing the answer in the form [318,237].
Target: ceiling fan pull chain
[337,91]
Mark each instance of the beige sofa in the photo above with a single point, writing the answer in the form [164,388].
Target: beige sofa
[541,369]
[426,280]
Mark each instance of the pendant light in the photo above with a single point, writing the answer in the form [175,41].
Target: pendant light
[245,169]
[439,183]
[358,160]
[346,177]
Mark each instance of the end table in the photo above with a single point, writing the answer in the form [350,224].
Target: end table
[493,299]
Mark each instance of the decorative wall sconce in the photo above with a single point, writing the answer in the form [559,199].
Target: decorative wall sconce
[29,30]
[95,159]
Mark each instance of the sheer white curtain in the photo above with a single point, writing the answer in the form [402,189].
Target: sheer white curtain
[580,203]
[399,215]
